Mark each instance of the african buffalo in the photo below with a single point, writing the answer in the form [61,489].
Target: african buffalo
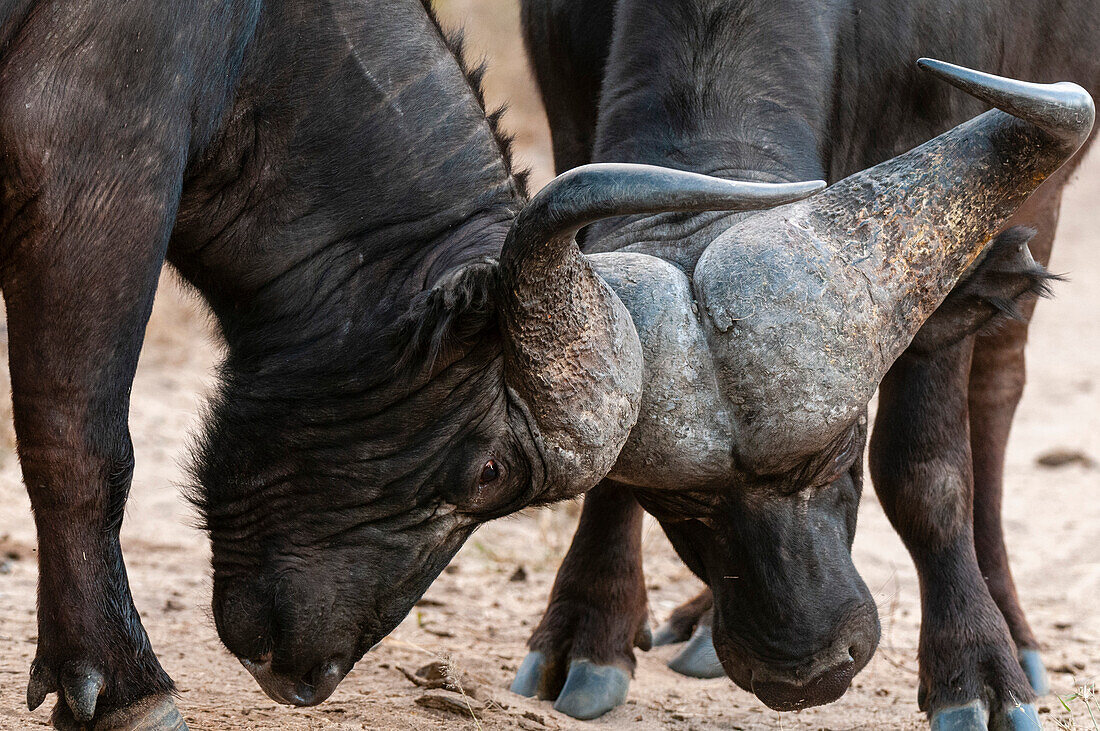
[765,335]
[412,347]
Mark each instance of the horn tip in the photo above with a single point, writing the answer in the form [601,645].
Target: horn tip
[950,72]
[1064,109]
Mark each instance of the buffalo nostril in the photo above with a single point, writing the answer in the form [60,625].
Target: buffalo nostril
[324,679]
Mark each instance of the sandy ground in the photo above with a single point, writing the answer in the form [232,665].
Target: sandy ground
[479,617]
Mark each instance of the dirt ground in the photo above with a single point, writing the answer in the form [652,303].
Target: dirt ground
[479,616]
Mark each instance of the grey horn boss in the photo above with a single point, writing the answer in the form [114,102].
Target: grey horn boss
[571,350]
[829,292]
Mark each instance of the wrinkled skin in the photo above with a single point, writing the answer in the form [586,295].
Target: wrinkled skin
[317,586]
[787,91]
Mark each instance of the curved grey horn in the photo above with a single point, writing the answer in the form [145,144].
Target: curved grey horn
[852,273]
[571,350]
[1063,109]
[589,193]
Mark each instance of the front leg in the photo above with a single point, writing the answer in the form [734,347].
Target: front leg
[582,652]
[921,466]
[92,167]
[76,324]
[75,332]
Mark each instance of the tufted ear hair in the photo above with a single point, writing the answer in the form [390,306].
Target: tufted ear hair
[447,319]
[990,295]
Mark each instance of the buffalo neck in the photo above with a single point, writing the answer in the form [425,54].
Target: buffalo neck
[733,88]
[728,87]
[353,168]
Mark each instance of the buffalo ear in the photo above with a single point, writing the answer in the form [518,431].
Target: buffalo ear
[990,295]
[447,319]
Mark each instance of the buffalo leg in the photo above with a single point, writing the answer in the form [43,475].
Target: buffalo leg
[75,331]
[922,469]
[691,623]
[997,378]
[582,652]
[568,42]
[93,164]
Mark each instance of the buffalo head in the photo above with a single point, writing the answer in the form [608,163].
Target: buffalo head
[511,381]
[801,310]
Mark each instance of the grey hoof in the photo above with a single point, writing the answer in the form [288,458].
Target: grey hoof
[666,635]
[1020,718]
[973,716]
[528,675]
[592,690]
[698,658]
[1036,673]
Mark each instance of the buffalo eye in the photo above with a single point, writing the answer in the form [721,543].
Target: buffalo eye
[490,473]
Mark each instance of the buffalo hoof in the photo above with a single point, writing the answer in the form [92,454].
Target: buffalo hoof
[529,675]
[589,691]
[668,634]
[1036,673]
[698,659]
[155,713]
[973,716]
[1020,718]
[592,690]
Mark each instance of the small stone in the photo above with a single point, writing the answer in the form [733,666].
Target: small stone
[520,574]
[6,566]
[444,633]
[1070,668]
[1063,457]
[441,675]
[536,717]
[436,670]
